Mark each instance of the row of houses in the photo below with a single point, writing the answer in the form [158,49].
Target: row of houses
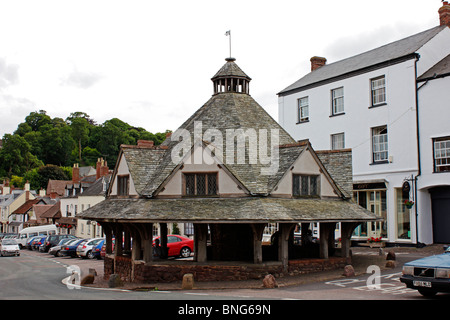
[58,204]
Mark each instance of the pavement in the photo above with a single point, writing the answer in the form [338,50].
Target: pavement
[362,257]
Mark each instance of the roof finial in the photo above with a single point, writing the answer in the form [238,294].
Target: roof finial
[228,33]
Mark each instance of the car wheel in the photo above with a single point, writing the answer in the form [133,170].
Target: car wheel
[185,252]
[90,255]
[427,293]
[58,254]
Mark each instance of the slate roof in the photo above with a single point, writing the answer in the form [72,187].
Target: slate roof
[151,166]
[211,210]
[230,69]
[440,69]
[389,52]
[223,111]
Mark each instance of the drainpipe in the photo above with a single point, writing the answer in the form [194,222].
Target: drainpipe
[419,163]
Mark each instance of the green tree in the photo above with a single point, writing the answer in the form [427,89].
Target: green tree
[80,133]
[15,156]
[48,172]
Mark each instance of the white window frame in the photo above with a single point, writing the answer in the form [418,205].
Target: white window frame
[378,90]
[380,146]
[337,101]
[303,109]
[441,154]
[338,141]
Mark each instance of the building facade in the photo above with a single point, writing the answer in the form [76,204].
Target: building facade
[377,104]
[230,170]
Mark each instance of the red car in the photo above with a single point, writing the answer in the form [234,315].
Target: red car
[178,245]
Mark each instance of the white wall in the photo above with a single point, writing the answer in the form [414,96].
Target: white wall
[398,114]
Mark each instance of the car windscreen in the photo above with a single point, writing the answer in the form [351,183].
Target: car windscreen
[9,242]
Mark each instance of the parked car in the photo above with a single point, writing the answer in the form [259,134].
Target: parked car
[36,243]
[9,247]
[70,248]
[98,249]
[87,250]
[428,275]
[55,250]
[53,240]
[178,245]
[28,243]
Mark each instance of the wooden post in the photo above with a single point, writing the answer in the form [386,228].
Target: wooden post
[283,244]
[305,228]
[258,229]
[164,250]
[146,236]
[325,236]
[118,234]
[200,242]
[347,229]
[108,236]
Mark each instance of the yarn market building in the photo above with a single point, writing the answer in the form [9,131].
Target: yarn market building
[230,170]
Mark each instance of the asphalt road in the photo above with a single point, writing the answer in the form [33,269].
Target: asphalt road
[38,276]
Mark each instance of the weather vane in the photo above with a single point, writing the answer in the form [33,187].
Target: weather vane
[228,33]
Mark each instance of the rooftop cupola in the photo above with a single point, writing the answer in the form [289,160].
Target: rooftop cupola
[230,78]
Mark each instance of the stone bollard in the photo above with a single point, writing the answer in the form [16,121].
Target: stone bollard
[390,255]
[88,279]
[349,271]
[188,282]
[115,281]
[390,264]
[269,282]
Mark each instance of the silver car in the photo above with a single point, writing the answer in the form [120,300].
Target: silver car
[9,247]
[84,250]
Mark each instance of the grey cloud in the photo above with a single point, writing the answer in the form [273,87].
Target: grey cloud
[352,45]
[83,80]
[9,73]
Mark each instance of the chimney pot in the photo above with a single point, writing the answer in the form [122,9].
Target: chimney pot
[317,62]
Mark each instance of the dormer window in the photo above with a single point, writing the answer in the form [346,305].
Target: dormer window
[305,185]
[200,184]
[123,185]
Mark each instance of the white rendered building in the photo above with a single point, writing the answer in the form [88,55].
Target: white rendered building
[391,106]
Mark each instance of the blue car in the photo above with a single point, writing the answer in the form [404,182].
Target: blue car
[98,249]
[429,275]
[70,248]
[36,242]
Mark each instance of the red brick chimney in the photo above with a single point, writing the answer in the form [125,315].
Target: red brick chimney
[102,168]
[145,144]
[75,173]
[444,14]
[317,62]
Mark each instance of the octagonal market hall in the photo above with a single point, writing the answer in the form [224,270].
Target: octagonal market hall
[233,180]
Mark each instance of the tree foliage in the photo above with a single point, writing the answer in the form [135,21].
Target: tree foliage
[41,144]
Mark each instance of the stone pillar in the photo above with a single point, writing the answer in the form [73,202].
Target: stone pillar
[258,229]
[200,242]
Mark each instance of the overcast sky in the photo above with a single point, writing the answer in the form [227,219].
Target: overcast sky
[149,63]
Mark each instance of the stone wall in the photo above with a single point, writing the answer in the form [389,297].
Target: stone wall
[140,272]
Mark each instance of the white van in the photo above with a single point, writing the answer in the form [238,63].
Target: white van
[30,232]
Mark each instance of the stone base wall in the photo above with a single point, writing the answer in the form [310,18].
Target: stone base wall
[139,272]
